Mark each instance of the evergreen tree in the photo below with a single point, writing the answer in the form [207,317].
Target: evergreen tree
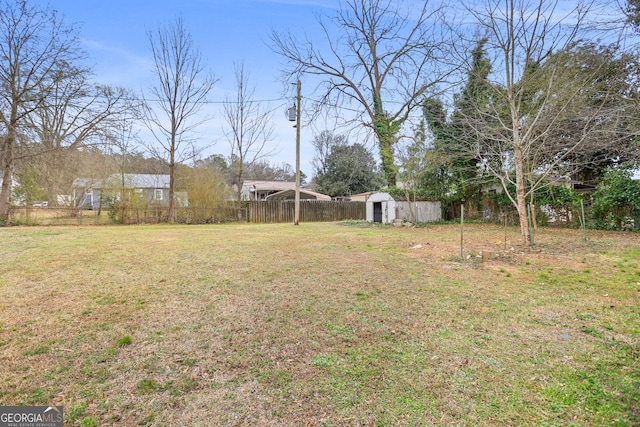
[350,169]
[451,170]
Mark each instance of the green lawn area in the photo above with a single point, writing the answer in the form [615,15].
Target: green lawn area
[320,324]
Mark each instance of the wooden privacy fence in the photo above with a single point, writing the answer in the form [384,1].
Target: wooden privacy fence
[310,211]
[256,212]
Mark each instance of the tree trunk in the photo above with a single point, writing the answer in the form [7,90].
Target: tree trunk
[56,168]
[386,139]
[239,194]
[387,159]
[521,202]
[7,166]
[171,214]
[53,185]
[5,192]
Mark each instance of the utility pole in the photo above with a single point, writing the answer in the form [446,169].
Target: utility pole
[297,206]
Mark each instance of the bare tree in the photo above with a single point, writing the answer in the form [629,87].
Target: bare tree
[263,170]
[122,142]
[530,91]
[180,93]
[381,56]
[249,129]
[33,44]
[75,113]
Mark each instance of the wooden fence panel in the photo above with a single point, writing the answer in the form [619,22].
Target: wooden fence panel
[273,211]
[276,211]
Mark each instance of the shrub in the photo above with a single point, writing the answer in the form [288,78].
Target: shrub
[616,203]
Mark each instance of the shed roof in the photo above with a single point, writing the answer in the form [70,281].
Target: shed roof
[380,197]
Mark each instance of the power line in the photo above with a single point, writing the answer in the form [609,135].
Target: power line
[207,102]
[265,100]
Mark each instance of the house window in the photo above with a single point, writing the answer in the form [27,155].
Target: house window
[159,194]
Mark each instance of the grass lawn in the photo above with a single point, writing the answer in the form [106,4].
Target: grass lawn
[320,325]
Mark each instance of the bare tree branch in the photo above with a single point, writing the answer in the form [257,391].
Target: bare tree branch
[531,92]
[33,43]
[379,56]
[182,86]
[249,128]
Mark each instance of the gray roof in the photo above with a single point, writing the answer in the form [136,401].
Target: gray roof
[131,180]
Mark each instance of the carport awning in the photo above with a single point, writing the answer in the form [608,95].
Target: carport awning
[291,195]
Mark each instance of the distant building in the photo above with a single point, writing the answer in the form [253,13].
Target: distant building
[144,188]
[360,197]
[277,190]
[304,195]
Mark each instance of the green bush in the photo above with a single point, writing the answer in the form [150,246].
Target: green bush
[616,203]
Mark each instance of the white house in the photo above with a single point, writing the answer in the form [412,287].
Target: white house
[153,189]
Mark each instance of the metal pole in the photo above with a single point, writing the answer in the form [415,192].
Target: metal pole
[530,225]
[297,207]
[584,221]
[462,231]
[505,231]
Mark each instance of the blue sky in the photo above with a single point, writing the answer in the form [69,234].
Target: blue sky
[114,34]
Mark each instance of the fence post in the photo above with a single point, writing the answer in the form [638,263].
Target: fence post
[530,225]
[462,231]
[584,221]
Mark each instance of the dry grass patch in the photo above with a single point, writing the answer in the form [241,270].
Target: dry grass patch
[319,325]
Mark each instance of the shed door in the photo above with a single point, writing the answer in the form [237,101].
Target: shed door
[377,211]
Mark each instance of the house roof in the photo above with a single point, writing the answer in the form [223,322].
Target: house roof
[85,182]
[131,180]
[360,197]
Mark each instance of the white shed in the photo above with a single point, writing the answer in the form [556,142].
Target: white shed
[419,211]
[381,207]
